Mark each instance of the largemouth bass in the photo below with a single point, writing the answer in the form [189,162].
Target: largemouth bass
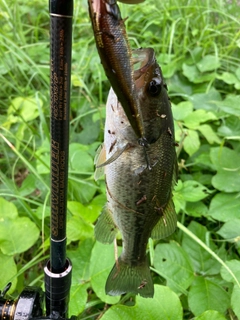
[139,200]
[116,57]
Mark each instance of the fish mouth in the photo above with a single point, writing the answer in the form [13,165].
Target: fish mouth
[144,60]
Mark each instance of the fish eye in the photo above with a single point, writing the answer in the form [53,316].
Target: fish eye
[155,86]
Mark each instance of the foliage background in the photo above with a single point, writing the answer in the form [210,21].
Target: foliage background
[196,271]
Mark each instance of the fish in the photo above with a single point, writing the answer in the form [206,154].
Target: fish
[116,57]
[139,200]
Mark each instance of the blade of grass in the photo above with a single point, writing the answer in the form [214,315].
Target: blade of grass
[25,161]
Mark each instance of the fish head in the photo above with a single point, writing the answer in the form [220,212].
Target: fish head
[152,94]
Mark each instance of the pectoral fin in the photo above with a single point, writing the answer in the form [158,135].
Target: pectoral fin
[114,156]
[167,224]
[105,229]
[100,157]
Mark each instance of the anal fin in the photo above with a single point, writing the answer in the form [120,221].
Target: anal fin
[167,224]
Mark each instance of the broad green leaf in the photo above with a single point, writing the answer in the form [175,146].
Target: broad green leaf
[89,212]
[196,209]
[227,181]
[193,191]
[202,158]
[231,231]
[202,261]
[101,263]
[225,159]
[169,69]
[100,114]
[210,315]
[189,191]
[28,186]
[182,110]
[170,307]
[179,202]
[191,73]
[207,101]
[237,72]
[81,261]
[202,178]
[8,270]
[193,120]
[197,52]
[43,165]
[78,229]
[209,134]
[172,263]
[228,77]
[7,210]
[25,107]
[191,143]
[204,295]
[90,130]
[235,298]
[230,127]
[234,265]
[225,206]
[17,235]
[80,160]
[230,105]
[99,201]
[78,298]
[81,190]
[180,85]
[42,212]
[227,178]
[169,64]
[208,63]
[194,75]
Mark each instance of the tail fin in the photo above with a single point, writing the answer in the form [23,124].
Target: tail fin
[125,278]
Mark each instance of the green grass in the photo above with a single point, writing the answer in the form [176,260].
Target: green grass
[197,45]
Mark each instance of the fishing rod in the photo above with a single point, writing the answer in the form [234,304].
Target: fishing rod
[58,269]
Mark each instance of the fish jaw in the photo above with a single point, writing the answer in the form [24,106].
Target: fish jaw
[116,57]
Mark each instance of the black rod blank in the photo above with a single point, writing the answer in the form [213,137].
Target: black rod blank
[61,12]
[58,269]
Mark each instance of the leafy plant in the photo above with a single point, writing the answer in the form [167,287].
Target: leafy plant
[196,271]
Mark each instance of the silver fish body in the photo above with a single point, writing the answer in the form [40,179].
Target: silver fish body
[139,199]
